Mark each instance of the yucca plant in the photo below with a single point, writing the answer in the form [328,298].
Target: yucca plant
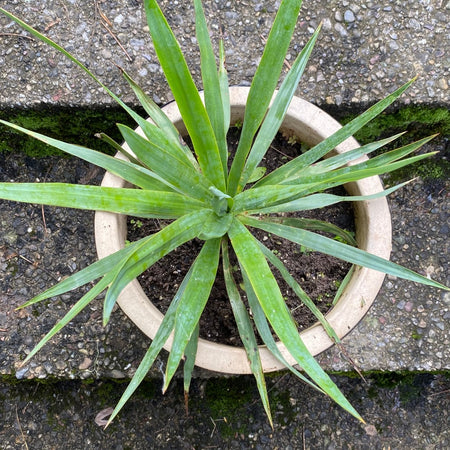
[203,198]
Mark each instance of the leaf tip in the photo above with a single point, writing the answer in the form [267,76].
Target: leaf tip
[25,361]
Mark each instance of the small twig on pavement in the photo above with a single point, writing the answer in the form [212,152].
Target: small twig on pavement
[36,264]
[447,391]
[117,40]
[52,24]
[350,360]
[107,24]
[21,430]
[17,35]
[43,219]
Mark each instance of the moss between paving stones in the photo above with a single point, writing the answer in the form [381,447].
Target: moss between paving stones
[229,397]
[409,383]
[77,126]
[231,403]
[418,122]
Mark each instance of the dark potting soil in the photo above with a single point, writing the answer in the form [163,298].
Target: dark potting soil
[318,274]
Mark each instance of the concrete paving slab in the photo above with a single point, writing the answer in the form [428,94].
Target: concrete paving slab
[366,49]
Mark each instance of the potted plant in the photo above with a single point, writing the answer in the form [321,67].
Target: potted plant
[205,194]
[373,226]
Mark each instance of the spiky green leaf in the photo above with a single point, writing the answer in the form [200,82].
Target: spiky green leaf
[186,95]
[271,300]
[293,168]
[245,329]
[134,202]
[264,83]
[339,250]
[193,299]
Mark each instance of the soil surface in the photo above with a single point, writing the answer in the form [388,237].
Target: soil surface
[318,274]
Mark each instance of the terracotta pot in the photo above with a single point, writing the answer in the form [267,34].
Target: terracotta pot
[373,231]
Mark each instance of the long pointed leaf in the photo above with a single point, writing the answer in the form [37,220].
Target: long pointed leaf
[245,329]
[271,300]
[211,83]
[194,299]
[343,285]
[159,138]
[186,95]
[157,344]
[277,111]
[301,294]
[321,180]
[224,89]
[264,84]
[346,176]
[318,182]
[334,162]
[74,311]
[158,116]
[189,363]
[260,197]
[134,202]
[152,250]
[320,150]
[86,275]
[315,225]
[137,175]
[118,148]
[266,334]
[390,160]
[339,250]
[178,174]
[315,201]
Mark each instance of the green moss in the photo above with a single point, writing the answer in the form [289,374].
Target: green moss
[281,406]
[391,379]
[232,403]
[12,267]
[226,399]
[10,379]
[77,126]
[105,392]
[416,335]
[418,122]
[109,390]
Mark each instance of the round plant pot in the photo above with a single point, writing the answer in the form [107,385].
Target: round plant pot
[373,232]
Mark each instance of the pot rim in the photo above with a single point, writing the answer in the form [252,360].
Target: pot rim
[373,233]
